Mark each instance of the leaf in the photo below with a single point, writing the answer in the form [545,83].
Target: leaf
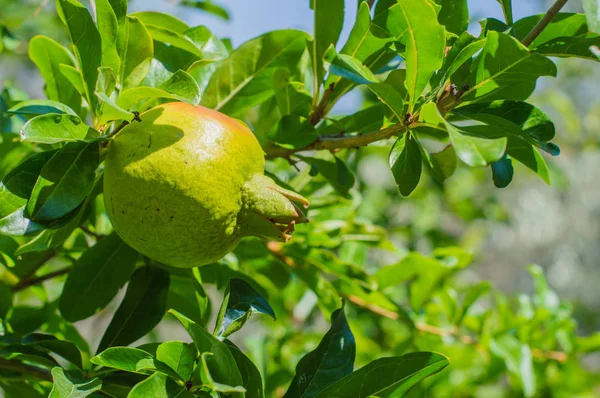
[108,28]
[210,384]
[187,295]
[122,358]
[454,15]
[182,85]
[209,7]
[178,356]
[158,385]
[472,295]
[222,365]
[291,96]
[47,56]
[244,79]
[405,163]
[96,278]
[252,379]
[328,23]
[529,156]
[136,52]
[444,163]
[64,182]
[502,172]
[74,77]
[87,41]
[507,9]
[293,132]
[51,344]
[416,24]
[352,69]
[592,12]
[63,387]
[335,171]
[387,377]
[332,360]
[141,310]
[40,107]
[567,35]
[161,20]
[518,359]
[474,151]
[53,128]
[503,64]
[240,301]
[15,190]
[391,97]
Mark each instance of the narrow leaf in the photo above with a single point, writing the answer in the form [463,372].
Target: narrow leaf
[405,163]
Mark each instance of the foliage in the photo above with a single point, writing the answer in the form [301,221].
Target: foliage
[439,101]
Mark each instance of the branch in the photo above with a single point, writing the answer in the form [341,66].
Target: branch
[334,142]
[548,17]
[25,283]
[20,367]
[28,276]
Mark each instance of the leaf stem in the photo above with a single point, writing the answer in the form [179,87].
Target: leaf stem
[332,143]
[16,366]
[25,283]
[548,17]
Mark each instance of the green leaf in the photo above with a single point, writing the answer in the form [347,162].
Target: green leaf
[141,310]
[507,9]
[53,128]
[74,77]
[222,365]
[592,12]
[161,20]
[158,385]
[40,107]
[87,41]
[209,7]
[388,377]
[405,163]
[292,97]
[63,387]
[239,303]
[454,15]
[48,55]
[252,379]
[183,86]
[472,295]
[518,359]
[416,24]
[328,23]
[502,172]
[444,163]
[51,344]
[187,295]
[122,358]
[96,278]
[567,35]
[64,182]
[332,360]
[495,77]
[136,52]
[210,384]
[334,170]
[352,69]
[108,28]
[244,79]
[15,191]
[529,156]
[178,356]
[390,97]
[293,132]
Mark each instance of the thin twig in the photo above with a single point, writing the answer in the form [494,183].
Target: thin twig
[335,142]
[25,279]
[90,232]
[24,284]
[317,115]
[548,17]
[16,366]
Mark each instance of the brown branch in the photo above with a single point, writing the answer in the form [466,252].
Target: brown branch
[317,115]
[332,143]
[24,284]
[548,17]
[27,277]
[16,366]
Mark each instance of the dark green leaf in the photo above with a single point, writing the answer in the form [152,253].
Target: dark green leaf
[64,387]
[444,163]
[496,76]
[529,156]
[507,9]
[40,107]
[136,52]
[331,361]
[141,310]
[405,163]
[293,131]
[292,97]
[87,41]
[388,377]
[328,20]
[346,66]
[391,97]
[502,172]
[178,356]
[209,383]
[48,55]
[454,15]
[53,128]
[335,171]
[244,79]
[64,182]
[158,385]
[6,297]
[51,344]
[240,301]
[252,378]
[209,7]
[96,278]
[222,365]
[123,358]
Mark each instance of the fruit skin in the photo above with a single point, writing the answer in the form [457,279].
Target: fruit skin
[186,183]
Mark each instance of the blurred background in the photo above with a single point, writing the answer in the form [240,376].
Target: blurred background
[556,226]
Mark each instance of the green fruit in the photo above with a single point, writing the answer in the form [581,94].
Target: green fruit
[185,184]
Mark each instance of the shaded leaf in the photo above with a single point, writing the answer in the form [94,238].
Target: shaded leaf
[40,107]
[158,385]
[210,384]
[454,15]
[51,344]
[352,69]
[63,387]
[507,10]
[252,379]
[178,356]
[444,163]
[405,163]
[502,172]
[136,52]
[293,132]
